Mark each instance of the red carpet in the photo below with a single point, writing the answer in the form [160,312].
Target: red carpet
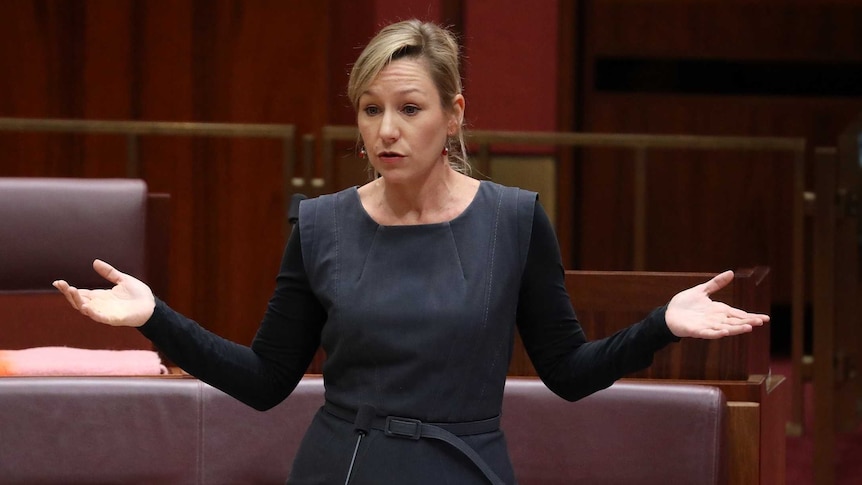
[800,450]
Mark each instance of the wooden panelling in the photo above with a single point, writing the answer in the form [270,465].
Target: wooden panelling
[511,64]
[607,302]
[237,62]
[223,61]
[707,211]
[65,60]
[737,29]
[743,440]
[346,35]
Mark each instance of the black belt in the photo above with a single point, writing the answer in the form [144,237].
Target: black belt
[409,428]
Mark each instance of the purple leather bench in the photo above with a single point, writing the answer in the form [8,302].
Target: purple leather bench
[181,431]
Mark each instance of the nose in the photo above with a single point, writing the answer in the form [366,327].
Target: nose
[389,127]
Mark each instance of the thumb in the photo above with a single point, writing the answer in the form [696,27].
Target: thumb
[718,282]
[107,271]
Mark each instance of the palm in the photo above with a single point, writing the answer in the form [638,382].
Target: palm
[692,313]
[129,303]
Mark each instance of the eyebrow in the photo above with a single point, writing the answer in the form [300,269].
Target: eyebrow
[404,91]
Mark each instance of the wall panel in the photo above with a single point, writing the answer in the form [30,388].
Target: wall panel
[222,61]
[727,210]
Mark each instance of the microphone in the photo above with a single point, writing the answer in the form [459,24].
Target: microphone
[364,415]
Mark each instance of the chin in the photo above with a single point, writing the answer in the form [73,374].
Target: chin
[397,176]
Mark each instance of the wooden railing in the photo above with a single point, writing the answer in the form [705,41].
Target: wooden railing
[640,145]
[134,130]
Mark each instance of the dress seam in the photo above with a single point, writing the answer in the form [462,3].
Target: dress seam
[490,282]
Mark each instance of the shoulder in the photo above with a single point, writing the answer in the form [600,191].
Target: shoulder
[511,189]
[521,200]
[315,203]
[516,208]
[318,215]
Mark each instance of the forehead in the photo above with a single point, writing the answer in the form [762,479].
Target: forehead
[403,75]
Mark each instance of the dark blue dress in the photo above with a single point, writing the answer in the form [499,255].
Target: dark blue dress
[420,322]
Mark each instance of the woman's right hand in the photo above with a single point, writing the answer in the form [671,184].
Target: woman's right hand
[130,303]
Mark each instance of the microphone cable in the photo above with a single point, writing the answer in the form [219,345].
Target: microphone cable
[362,424]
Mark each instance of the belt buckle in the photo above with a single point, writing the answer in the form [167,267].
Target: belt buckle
[403,427]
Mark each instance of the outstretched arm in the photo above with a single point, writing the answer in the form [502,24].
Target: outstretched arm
[130,303]
[574,367]
[260,376]
[692,313]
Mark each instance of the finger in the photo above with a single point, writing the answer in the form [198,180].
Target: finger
[755,320]
[751,321]
[721,331]
[741,319]
[743,315]
[712,333]
[738,329]
[73,295]
[107,271]
[61,285]
[77,298]
[65,290]
[718,282]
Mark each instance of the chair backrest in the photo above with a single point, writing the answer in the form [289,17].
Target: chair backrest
[54,228]
[608,301]
[628,433]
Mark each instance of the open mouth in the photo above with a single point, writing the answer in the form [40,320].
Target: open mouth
[390,155]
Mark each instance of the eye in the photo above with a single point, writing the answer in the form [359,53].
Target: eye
[410,109]
[372,110]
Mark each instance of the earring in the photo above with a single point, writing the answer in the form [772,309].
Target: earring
[363,152]
[445,151]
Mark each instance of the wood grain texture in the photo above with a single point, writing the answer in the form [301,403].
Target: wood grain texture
[221,61]
[706,211]
[610,301]
[744,442]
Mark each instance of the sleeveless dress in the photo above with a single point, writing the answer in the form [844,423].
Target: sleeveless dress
[420,325]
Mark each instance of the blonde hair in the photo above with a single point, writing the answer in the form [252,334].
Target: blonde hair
[421,40]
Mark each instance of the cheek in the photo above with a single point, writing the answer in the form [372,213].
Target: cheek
[366,131]
[432,138]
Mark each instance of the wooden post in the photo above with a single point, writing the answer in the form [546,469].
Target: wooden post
[824,321]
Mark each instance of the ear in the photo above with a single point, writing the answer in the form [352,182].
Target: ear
[457,116]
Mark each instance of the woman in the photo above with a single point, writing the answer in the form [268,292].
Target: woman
[414,284]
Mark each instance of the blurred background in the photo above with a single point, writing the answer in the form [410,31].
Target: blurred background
[765,83]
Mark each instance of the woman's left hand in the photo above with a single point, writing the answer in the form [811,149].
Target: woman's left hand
[692,313]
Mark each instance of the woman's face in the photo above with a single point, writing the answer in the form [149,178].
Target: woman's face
[402,122]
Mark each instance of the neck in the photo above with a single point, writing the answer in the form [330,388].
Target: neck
[440,197]
[429,196]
